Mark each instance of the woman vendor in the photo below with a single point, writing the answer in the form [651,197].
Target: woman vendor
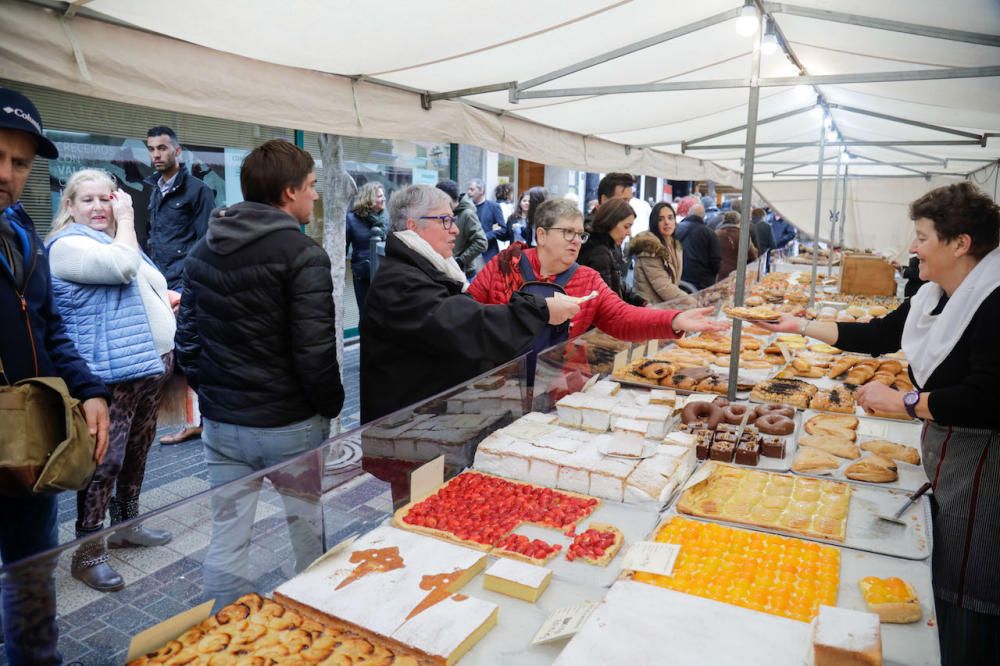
[948,331]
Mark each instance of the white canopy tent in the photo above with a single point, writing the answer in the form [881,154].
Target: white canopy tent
[911,87]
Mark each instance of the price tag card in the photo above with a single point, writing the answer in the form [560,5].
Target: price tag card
[785,352]
[621,359]
[426,479]
[638,352]
[694,397]
[652,347]
[564,622]
[652,557]
[873,429]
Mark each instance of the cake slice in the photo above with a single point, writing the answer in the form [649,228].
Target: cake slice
[517,579]
[844,637]
[598,544]
[892,599]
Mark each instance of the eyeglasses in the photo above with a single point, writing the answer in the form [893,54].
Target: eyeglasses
[569,235]
[447,221]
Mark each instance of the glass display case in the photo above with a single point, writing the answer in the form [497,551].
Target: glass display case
[255,533]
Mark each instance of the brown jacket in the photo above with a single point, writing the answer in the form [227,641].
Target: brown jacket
[657,269]
[729,244]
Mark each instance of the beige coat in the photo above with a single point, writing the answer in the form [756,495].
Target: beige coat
[657,269]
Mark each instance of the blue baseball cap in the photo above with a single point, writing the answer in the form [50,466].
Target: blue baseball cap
[18,113]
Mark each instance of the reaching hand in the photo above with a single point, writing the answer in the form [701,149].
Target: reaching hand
[787,324]
[693,321]
[877,397]
[98,422]
[562,308]
[121,206]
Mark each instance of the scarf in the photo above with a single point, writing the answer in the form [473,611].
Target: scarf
[928,339]
[447,266]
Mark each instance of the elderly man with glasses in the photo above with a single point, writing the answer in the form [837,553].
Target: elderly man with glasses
[421,333]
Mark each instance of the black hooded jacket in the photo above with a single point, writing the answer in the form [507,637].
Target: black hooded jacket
[421,335]
[256,333]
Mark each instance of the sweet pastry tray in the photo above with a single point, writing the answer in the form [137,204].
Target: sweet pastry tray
[914,644]
[510,641]
[865,531]
[645,624]
[825,383]
[910,478]
[635,522]
[903,644]
[773,464]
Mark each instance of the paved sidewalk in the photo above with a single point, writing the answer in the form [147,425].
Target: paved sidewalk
[96,628]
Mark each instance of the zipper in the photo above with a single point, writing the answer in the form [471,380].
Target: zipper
[24,301]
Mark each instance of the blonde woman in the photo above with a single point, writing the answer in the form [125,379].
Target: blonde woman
[118,312]
[658,257]
[365,220]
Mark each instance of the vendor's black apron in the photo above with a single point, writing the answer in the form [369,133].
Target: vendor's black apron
[550,335]
[963,465]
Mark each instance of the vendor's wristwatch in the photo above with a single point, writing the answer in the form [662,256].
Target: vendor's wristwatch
[910,401]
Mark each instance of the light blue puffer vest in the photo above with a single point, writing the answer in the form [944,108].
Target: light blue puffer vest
[107,323]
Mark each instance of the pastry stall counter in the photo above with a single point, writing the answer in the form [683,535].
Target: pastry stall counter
[549,482]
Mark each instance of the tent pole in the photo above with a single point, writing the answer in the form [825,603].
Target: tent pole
[819,207]
[843,214]
[744,244]
[834,214]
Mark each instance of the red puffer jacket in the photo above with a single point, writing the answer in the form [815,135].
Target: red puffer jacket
[501,277]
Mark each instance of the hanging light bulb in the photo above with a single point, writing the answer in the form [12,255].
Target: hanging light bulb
[847,157]
[817,112]
[831,136]
[769,44]
[746,22]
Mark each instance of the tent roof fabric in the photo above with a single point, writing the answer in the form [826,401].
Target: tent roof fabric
[326,66]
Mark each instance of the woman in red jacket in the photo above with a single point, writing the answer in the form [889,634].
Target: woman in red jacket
[552,265]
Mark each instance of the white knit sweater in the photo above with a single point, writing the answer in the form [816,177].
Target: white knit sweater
[85,261]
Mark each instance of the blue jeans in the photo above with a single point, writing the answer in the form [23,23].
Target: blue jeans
[233,452]
[29,525]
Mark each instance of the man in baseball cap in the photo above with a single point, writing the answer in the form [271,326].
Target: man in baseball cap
[18,113]
[33,343]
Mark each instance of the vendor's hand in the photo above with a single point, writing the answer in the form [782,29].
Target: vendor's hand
[787,324]
[98,421]
[692,321]
[562,308]
[877,397]
[174,298]
[121,206]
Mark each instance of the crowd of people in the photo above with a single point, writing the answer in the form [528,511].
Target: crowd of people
[240,302]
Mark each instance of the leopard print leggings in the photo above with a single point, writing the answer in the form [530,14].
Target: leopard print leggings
[133,426]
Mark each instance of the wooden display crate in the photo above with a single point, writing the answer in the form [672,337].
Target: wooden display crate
[868,275]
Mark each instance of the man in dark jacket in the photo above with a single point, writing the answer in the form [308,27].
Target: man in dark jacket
[33,343]
[761,230]
[178,208]
[256,337]
[490,217]
[421,332]
[178,212]
[782,232]
[702,254]
[471,241]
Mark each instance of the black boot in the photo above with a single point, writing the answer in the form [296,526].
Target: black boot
[90,565]
[135,536]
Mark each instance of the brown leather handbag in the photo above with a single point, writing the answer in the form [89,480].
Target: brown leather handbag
[45,445]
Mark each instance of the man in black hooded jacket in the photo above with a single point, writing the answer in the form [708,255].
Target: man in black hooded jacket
[256,337]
